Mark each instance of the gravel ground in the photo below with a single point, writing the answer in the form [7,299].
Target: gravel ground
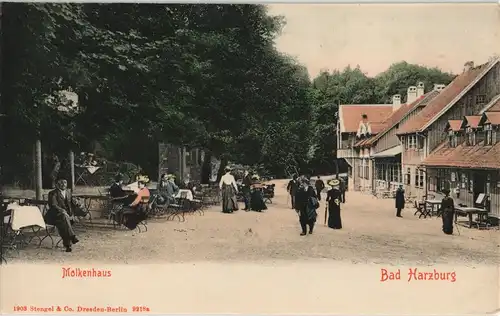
[371,234]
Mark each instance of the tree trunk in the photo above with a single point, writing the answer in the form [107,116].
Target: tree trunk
[206,168]
[38,169]
[72,170]
[223,164]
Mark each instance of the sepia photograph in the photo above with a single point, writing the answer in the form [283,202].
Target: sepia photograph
[250,158]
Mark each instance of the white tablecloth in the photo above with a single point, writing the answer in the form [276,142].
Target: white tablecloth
[25,216]
[189,194]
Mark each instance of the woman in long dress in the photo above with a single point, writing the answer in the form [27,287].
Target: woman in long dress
[256,198]
[448,209]
[334,197]
[228,188]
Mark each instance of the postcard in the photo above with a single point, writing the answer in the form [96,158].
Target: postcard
[190,158]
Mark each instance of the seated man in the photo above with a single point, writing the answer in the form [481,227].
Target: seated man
[167,189]
[136,212]
[60,213]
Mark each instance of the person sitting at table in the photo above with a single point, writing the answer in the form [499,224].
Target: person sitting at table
[60,213]
[167,189]
[136,211]
[257,197]
[448,211]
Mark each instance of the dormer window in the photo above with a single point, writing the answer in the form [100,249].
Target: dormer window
[452,139]
[471,137]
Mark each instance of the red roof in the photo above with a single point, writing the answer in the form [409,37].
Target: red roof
[472,121]
[477,157]
[493,117]
[401,113]
[445,97]
[495,107]
[350,115]
[454,125]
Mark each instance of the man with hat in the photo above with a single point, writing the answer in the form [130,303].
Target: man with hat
[333,198]
[306,204]
[448,212]
[400,200]
[291,188]
[320,185]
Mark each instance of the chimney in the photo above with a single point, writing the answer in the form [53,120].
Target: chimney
[396,102]
[468,66]
[420,89]
[411,95]
[439,87]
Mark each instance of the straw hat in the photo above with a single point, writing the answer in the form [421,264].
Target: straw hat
[333,182]
[143,179]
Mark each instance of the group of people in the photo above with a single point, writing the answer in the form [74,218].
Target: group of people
[305,200]
[447,208]
[252,190]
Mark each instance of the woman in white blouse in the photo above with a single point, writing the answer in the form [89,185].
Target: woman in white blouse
[228,188]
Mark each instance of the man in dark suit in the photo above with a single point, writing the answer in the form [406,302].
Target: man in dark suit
[320,185]
[247,183]
[291,188]
[60,213]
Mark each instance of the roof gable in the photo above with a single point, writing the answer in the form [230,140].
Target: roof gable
[350,115]
[453,125]
[492,118]
[471,121]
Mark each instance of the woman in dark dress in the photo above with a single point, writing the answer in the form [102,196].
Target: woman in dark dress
[306,204]
[334,197]
[256,197]
[448,211]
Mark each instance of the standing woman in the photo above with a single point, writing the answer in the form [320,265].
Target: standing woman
[448,209]
[228,188]
[333,198]
[306,204]
[400,200]
[257,197]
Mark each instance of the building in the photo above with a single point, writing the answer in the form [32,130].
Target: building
[386,146]
[460,109]
[358,122]
[183,162]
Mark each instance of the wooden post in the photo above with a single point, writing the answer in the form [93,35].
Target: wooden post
[38,169]
[72,170]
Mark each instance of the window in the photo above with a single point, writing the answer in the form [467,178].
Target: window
[419,179]
[480,99]
[488,135]
[471,137]
[408,176]
[452,139]
[411,142]
[367,172]
[420,142]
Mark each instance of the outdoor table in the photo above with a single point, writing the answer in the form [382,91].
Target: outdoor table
[23,216]
[469,211]
[430,211]
[189,194]
[87,202]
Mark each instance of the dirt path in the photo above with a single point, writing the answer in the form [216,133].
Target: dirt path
[371,234]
